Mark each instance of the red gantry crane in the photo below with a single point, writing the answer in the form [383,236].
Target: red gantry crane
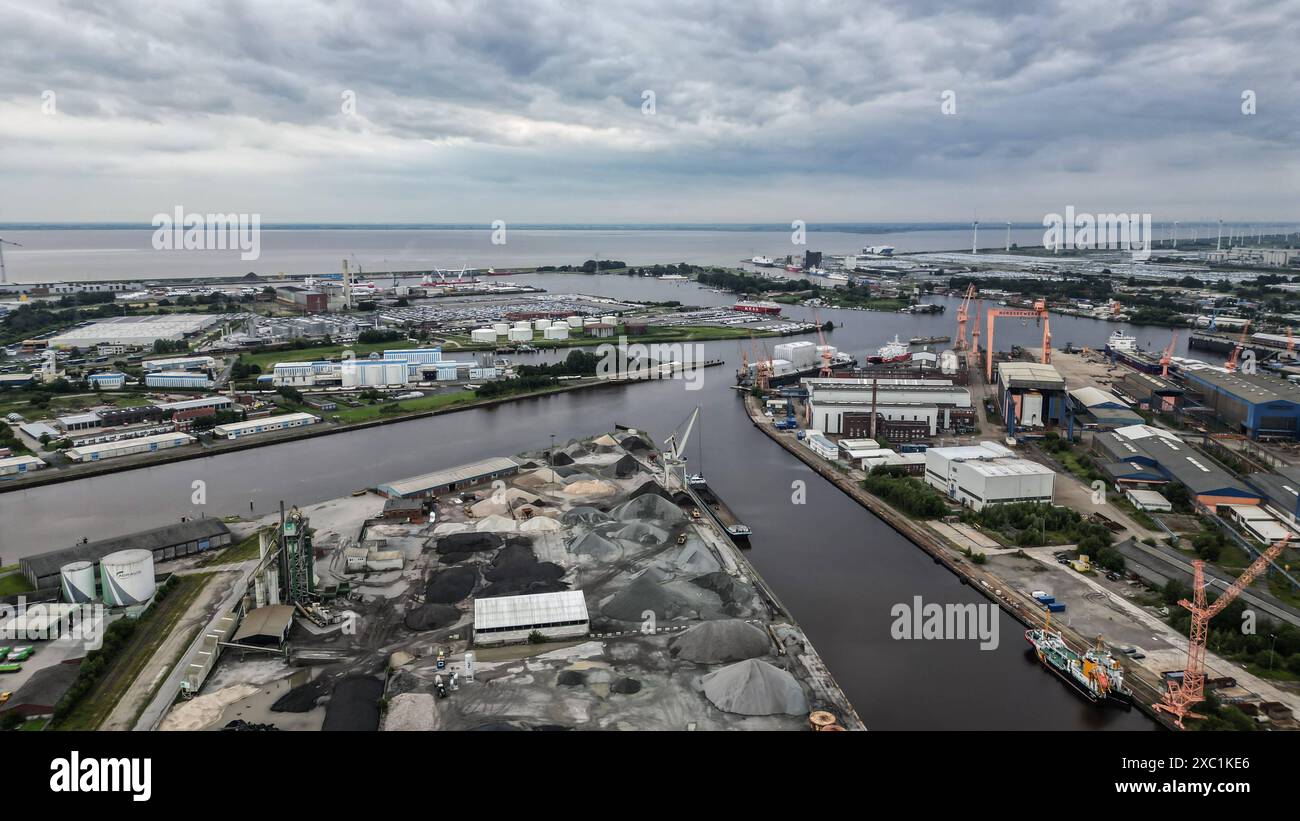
[826,370]
[1038,313]
[1182,696]
[1166,355]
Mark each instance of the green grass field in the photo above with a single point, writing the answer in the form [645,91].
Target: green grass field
[14,583]
[154,627]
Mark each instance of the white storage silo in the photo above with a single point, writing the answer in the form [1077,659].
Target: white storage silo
[609,320]
[501,328]
[541,324]
[483,335]
[575,322]
[521,334]
[78,582]
[523,324]
[556,332]
[588,321]
[126,577]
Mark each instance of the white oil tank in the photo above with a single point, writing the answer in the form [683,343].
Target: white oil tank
[502,328]
[609,320]
[78,582]
[575,322]
[523,324]
[521,334]
[126,577]
[483,335]
[556,332]
[541,324]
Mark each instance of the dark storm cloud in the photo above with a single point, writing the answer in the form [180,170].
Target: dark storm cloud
[536,108]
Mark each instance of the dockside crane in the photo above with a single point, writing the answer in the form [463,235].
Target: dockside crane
[1038,313]
[826,369]
[674,448]
[1231,365]
[1167,355]
[1183,696]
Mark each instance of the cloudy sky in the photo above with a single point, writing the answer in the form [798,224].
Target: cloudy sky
[536,112]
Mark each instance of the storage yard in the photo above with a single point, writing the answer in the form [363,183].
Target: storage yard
[556,589]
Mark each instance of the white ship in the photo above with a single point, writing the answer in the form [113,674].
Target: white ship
[1120,341]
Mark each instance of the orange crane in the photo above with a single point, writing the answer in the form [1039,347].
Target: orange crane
[1181,697]
[826,370]
[762,364]
[973,355]
[1166,355]
[1038,313]
[1231,365]
[963,316]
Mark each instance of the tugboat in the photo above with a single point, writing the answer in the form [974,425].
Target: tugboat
[1095,675]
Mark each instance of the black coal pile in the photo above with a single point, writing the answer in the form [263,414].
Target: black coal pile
[302,698]
[560,459]
[650,486]
[634,443]
[431,617]
[354,705]
[627,466]
[571,678]
[625,686]
[468,542]
[241,726]
[516,572]
[451,585]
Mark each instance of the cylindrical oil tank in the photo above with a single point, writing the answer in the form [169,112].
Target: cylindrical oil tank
[524,323]
[541,324]
[483,335]
[78,582]
[501,328]
[126,577]
[609,320]
[574,321]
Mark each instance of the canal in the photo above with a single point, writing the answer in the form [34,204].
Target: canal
[835,566]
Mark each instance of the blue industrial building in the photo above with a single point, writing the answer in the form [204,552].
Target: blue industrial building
[1258,405]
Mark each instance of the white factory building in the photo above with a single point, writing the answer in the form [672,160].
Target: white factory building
[128,447]
[180,363]
[134,331]
[106,381]
[932,401]
[236,430]
[177,379]
[19,465]
[509,619]
[987,474]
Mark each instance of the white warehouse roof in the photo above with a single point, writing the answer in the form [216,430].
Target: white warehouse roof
[523,612]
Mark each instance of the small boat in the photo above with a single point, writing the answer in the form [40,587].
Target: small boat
[928,340]
[892,351]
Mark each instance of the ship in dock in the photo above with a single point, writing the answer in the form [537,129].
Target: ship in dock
[928,340]
[1095,674]
[716,508]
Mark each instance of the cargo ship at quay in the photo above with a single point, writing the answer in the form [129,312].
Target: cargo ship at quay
[1095,675]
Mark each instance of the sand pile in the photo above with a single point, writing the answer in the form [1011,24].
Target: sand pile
[411,712]
[591,487]
[716,642]
[431,617]
[604,444]
[584,514]
[755,688]
[667,599]
[451,585]
[596,546]
[539,523]
[491,506]
[540,478]
[203,711]
[648,506]
[496,524]
[447,528]
[469,542]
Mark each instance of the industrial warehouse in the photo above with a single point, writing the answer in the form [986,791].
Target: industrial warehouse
[900,409]
[987,474]
[1258,405]
[162,543]
[1147,457]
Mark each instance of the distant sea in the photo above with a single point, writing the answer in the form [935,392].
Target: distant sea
[112,251]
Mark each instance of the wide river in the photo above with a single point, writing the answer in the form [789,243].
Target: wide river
[837,567]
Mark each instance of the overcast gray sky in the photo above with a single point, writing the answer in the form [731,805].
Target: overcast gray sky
[533,112]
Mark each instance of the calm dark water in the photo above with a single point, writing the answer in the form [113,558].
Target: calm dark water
[837,567]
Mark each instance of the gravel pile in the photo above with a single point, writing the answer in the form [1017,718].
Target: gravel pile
[625,686]
[627,466]
[641,533]
[650,486]
[584,515]
[648,507]
[302,698]
[469,542]
[431,617]
[717,642]
[412,712]
[596,546]
[451,585]
[561,459]
[755,688]
[634,443]
[667,599]
[354,705]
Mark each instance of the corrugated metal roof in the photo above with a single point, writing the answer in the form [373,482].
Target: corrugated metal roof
[47,564]
[439,478]
[525,611]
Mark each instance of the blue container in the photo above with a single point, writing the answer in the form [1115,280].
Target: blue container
[1056,607]
[1046,599]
